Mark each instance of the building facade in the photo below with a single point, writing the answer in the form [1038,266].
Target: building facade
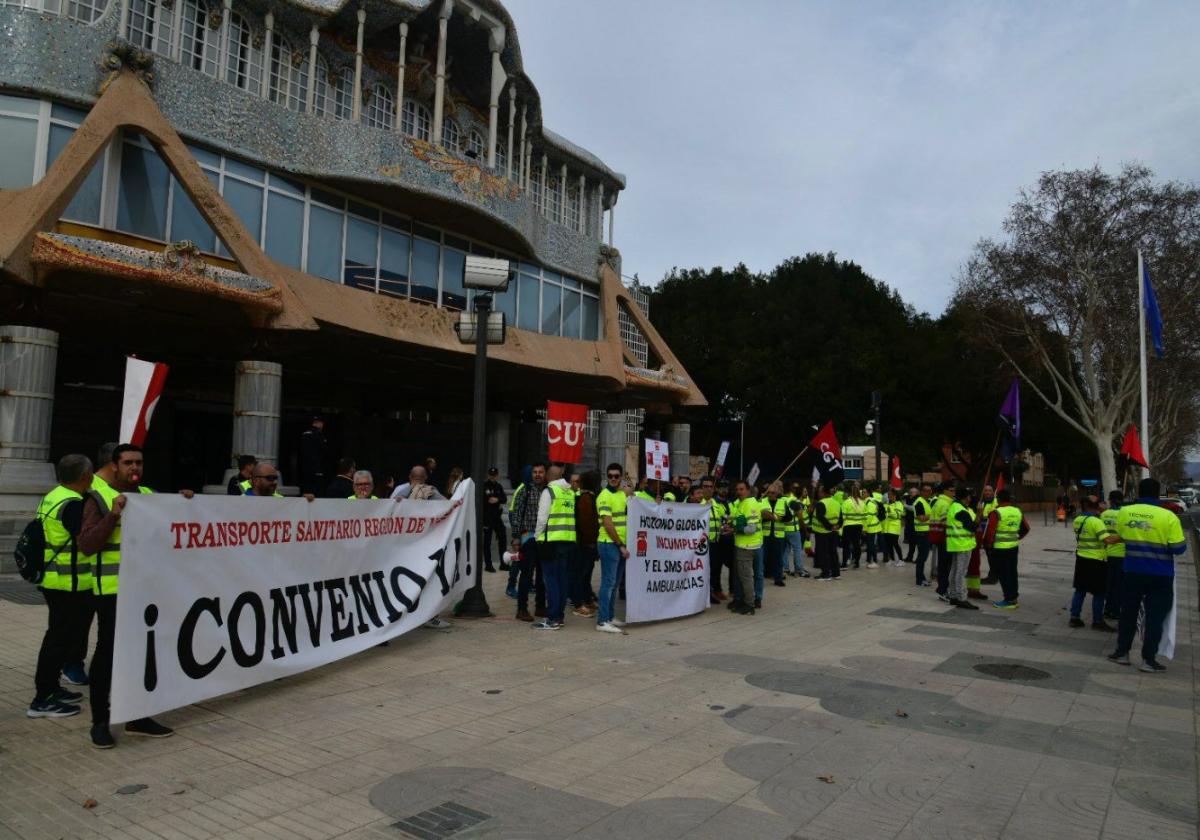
[277,200]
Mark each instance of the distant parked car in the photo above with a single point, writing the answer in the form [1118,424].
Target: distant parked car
[1173,503]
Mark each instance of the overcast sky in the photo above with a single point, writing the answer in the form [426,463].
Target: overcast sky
[894,133]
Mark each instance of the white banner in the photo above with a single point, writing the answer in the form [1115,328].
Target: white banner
[666,575]
[219,594]
[658,460]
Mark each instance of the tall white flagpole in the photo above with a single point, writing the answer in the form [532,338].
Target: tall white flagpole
[1141,293]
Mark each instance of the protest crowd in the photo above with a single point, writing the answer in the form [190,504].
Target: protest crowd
[563,522]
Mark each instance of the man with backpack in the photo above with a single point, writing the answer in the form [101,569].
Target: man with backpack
[65,580]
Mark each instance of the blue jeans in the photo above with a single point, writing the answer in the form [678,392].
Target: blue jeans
[610,565]
[1097,605]
[794,545]
[872,541]
[759,560]
[921,540]
[554,569]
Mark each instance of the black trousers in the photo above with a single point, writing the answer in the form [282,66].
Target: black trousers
[494,530]
[1157,594]
[100,678]
[825,551]
[910,537]
[1004,566]
[944,561]
[891,547]
[69,618]
[530,577]
[721,558]
[773,557]
[1116,576]
[851,544]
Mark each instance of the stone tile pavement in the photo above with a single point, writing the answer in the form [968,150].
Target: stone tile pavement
[843,710]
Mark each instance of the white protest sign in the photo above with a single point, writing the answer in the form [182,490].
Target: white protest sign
[219,594]
[658,460]
[666,575]
[753,476]
[722,454]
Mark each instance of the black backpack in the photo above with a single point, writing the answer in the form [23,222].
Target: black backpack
[30,552]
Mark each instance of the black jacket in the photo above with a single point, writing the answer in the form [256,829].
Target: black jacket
[340,488]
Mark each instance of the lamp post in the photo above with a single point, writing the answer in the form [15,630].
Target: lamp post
[874,426]
[482,327]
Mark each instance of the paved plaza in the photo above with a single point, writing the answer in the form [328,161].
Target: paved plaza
[858,709]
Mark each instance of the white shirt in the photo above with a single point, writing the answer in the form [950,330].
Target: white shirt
[544,502]
[405,490]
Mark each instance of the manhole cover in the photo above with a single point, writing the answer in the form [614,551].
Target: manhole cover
[1008,671]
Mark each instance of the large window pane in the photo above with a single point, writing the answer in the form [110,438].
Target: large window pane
[506,302]
[425,270]
[591,319]
[85,206]
[551,308]
[244,170]
[186,221]
[361,241]
[393,263]
[454,293]
[570,314]
[142,197]
[18,137]
[324,243]
[247,202]
[19,104]
[285,224]
[528,289]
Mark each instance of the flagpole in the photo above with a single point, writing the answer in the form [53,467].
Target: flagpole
[1141,293]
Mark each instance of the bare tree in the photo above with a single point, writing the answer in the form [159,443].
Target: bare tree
[1057,298]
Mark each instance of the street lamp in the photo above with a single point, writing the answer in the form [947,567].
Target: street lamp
[874,426]
[481,328]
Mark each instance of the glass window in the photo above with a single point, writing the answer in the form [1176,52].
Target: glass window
[362,240]
[551,308]
[380,111]
[528,301]
[450,135]
[279,182]
[244,64]
[425,270]
[63,112]
[476,147]
[570,307]
[393,262]
[285,224]
[454,293]
[142,197]
[591,319]
[19,141]
[204,157]
[506,302]
[416,121]
[289,74]
[85,206]
[85,11]
[427,232]
[324,243]
[186,221]
[330,199]
[193,33]
[364,210]
[244,170]
[19,105]
[247,202]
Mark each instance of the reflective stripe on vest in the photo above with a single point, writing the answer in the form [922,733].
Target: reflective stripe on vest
[921,507]
[65,569]
[1110,521]
[833,512]
[108,560]
[750,509]
[560,524]
[1008,527]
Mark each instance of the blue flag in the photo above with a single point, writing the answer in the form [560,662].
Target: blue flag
[1153,315]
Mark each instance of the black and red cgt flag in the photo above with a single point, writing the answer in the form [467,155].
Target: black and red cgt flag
[828,456]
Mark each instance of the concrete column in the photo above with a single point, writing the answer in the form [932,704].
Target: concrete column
[612,216]
[400,76]
[499,443]
[521,160]
[512,118]
[28,357]
[310,95]
[496,42]
[177,30]
[612,439]
[562,196]
[356,112]
[223,57]
[545,183]
[268,54]
[439,90]
[679,438]
[123,29]
[257,400]
[600,215]
[582,204]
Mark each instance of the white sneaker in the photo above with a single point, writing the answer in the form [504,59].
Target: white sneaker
[608,627]
[546,625]
[616,622]
[872,565]
[436,624]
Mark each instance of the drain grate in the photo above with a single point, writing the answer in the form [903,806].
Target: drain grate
[1009,671]
[441,821]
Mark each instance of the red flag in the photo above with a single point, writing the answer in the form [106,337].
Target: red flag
[897,478]
[829,455]
[1131,447]
[144,383]
[565,424]
[1000,483]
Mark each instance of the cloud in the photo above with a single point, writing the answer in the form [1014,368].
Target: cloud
[896,134]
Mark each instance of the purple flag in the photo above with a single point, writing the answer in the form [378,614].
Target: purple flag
[1010,419]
